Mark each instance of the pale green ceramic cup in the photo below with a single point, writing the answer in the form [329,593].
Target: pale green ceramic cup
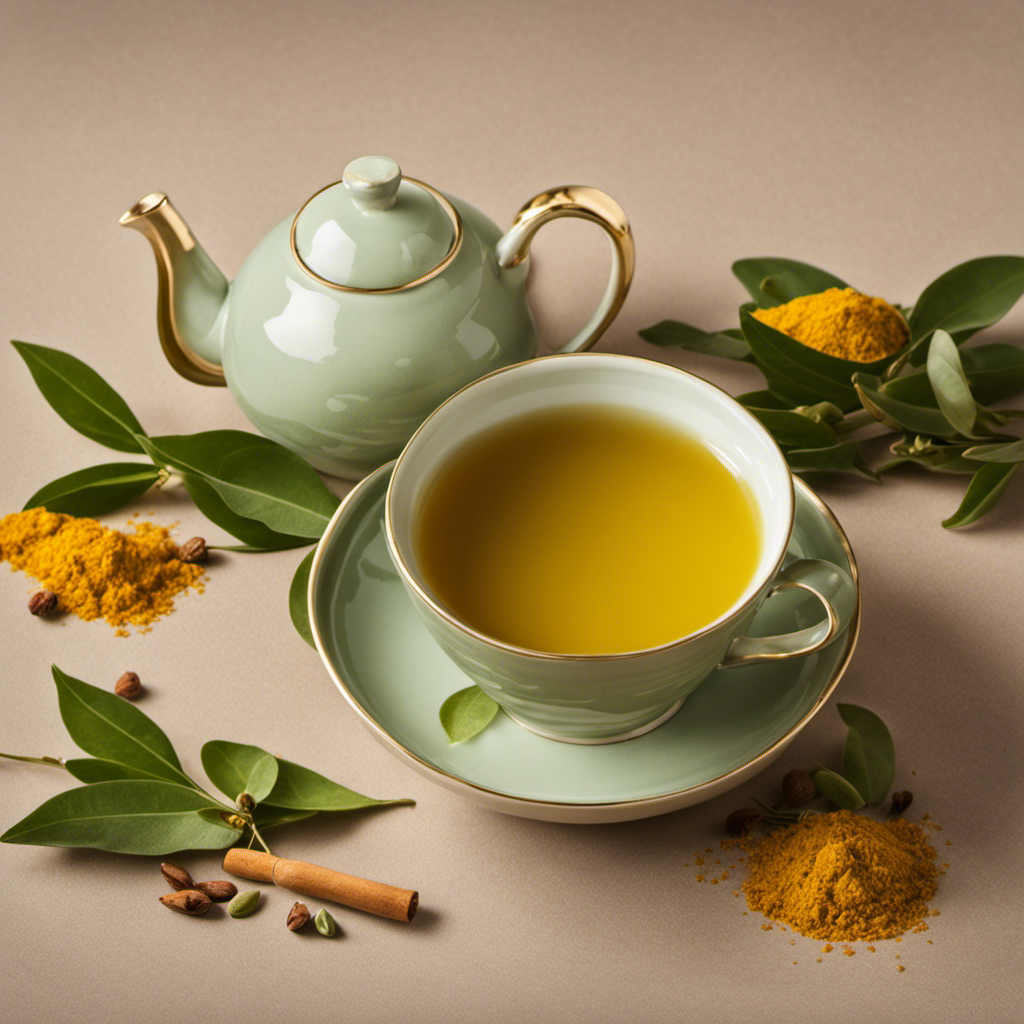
[611,697]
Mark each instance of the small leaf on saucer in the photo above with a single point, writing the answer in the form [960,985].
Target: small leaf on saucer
[466,713]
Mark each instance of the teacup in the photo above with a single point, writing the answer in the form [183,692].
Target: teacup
[604,698]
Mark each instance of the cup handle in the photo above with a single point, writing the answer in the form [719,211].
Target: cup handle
[591,204]
[833,587]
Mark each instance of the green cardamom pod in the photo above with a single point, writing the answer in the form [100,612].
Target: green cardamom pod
[245,903]
[324,923]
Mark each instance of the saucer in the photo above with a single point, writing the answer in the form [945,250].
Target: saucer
[395,677]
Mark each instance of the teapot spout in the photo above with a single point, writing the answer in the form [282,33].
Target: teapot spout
[191,302]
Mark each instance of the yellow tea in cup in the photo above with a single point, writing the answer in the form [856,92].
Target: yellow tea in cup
[587,529]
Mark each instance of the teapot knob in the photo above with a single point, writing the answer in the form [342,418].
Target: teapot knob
[373,182]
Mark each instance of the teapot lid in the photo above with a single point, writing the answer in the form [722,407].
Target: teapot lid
[375,231]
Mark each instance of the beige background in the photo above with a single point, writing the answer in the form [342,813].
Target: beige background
[880,140]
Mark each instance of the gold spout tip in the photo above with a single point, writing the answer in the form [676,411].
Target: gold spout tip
[143,208]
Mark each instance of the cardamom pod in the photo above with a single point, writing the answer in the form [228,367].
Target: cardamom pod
[219,892]
[325,923]
[187,901]
[297,917]
[176,877]
[244,904]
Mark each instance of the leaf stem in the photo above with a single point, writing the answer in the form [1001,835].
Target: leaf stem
[854,421]
[255,831]
[56,762]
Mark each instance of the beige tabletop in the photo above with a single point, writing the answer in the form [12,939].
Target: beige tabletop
[880,140]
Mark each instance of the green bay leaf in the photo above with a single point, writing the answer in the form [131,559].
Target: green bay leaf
[675,334]
[81,397]
[984,490]
[869,758]
[899,415]
[278,488]
[836,789]
[97,490]
[131,816]
[949,383]
[844,457]
[236,768]
[798,372]
[298,600]
[785,279]
[1012,451]
[96,769]
[267,816]
[467,712]
[198,458]
[110,728]
[793,428]
[302,789]
[256,535]
[967,298]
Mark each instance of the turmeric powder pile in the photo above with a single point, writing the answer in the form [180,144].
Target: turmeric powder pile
[843,876]
[126,579]
[840,322]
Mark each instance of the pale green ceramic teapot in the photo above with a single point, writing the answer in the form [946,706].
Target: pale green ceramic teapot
[359,314]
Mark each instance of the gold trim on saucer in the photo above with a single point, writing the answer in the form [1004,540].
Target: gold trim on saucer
[850,637]
[445,204]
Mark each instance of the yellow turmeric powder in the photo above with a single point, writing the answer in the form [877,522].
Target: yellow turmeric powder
[843,876]
[840,322]
[129,580]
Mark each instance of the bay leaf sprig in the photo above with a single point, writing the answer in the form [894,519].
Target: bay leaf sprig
[258,491]
[137,798]
[864,778]
[934,395]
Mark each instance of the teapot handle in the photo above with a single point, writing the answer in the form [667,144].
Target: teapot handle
[591,204]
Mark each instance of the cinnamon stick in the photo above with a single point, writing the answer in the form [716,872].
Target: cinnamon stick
[323,883]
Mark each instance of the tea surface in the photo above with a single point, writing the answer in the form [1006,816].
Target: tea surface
[587,530]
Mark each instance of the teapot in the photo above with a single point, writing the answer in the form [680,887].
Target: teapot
[355,317]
